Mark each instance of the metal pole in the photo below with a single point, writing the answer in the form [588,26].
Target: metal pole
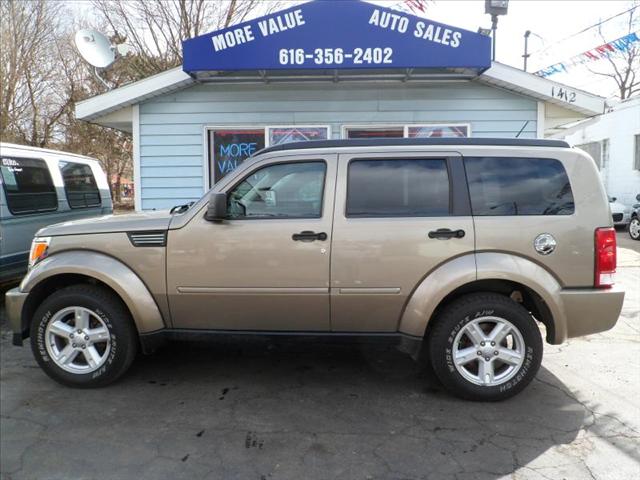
[494,28]
[526,48]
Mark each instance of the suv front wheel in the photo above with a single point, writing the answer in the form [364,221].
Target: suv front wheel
[83,336]
[485,347]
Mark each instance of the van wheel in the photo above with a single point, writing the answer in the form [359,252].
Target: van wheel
[82,336]
[485,347]
[634,228]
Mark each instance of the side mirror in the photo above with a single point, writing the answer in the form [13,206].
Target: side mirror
[638,197]
[217,209]
[613,199]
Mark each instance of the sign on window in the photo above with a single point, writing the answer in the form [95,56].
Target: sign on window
[228,148]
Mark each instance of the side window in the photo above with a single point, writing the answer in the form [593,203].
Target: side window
[518,186]
[28,185]
[80,185]
[285,190]
[398,188]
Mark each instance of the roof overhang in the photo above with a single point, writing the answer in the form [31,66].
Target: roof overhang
[110,109]
[515,80]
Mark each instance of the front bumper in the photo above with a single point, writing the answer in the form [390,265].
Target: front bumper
[588,311]
[624,220]
[14,301]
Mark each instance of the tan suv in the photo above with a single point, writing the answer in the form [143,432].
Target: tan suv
[463,246]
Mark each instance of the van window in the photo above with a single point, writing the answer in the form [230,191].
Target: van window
[284,190]
[398,188]
[28,185]
[80,185]
[518,186]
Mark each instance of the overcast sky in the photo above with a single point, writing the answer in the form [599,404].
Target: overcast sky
[553,20]
[549,20]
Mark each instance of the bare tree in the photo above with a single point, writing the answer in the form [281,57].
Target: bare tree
[625,64]
[33,95]
[156,28]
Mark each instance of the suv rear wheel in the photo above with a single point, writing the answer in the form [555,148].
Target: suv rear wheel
[82,336]
[485,347]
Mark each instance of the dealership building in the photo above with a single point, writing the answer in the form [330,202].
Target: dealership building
[317,71]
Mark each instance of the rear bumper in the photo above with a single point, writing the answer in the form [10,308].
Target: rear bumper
[588,311]
[14,301]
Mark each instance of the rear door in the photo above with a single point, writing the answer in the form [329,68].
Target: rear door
[398,216]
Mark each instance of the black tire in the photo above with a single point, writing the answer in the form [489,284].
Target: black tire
[111,311]
[634,225]
[463,311]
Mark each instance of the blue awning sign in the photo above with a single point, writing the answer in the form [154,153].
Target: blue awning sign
[332,34]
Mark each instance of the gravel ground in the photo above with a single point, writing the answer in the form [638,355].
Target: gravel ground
[303,411]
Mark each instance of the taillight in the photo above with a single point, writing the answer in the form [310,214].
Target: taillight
[605,264]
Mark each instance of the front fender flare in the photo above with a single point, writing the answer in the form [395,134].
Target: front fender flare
[108,270]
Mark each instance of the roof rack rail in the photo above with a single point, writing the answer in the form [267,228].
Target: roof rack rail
[383,142]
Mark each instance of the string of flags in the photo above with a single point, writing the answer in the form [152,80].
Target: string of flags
[416,7]
[621,44]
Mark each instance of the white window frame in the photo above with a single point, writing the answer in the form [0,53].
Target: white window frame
[206,167]
[405,127]
[268,127]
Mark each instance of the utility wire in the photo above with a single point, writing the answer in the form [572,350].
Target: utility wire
[545,48]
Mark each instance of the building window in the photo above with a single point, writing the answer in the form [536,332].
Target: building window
[605,153]
[636,158]
[398,188]
[373,131]
[289,134]
[594,149]
[79,185]
[28,186]
[284,190]
[407,131]
[502,186]
[229,147]
[437,131]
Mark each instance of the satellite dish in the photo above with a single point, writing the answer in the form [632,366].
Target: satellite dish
[95,48]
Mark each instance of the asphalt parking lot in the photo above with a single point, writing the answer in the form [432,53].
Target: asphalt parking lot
[263,411]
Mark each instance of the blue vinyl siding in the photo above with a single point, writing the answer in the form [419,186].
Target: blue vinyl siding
[171,126]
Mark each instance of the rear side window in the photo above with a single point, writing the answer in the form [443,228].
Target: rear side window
[518,186]
[398,188]
[80,185]
[28,185]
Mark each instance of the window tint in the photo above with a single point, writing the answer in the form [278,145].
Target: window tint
[518,186]
[28,185]
[400,188]
[80,185]
[287,190]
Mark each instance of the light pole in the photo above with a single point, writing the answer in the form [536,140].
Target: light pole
[495,8]
[526,48]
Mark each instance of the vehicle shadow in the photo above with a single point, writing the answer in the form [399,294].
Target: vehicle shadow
[305,410]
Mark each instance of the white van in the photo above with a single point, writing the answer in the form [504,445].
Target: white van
[39,187]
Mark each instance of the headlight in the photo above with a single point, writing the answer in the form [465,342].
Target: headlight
[39,249]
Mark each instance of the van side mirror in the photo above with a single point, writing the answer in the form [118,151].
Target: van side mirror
[613,199]
[217,208]
[638,197]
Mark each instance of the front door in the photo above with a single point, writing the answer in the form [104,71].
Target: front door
[266,268]
[397,218]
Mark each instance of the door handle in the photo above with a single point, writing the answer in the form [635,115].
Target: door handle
[445,234]
[308,236]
